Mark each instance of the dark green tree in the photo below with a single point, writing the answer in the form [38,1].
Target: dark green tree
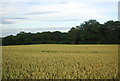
[89,32]
[74,36]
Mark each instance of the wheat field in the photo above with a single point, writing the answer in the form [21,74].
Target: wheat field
[53,61]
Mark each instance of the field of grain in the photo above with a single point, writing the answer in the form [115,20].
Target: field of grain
[52,61]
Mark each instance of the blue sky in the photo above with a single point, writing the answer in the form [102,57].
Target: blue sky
[51,15]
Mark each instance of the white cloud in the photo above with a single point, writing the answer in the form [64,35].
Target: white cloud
[57,0]
[74,10]
[68,10]
[54,13]
[71,9]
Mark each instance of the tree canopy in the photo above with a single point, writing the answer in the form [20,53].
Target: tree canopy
[89,32]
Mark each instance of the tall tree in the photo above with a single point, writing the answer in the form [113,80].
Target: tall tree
[74,36]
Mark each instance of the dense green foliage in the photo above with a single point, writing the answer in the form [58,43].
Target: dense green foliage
[89,32]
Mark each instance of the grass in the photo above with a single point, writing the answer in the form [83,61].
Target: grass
[52,61]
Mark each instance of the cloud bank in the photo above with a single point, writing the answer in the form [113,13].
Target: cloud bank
[18,14]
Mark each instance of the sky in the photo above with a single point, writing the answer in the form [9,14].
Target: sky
[52,15]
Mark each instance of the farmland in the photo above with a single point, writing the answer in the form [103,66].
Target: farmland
[53,61]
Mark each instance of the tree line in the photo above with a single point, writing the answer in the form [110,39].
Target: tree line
[89,32]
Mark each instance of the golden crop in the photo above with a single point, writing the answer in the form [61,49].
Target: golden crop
[52,61]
